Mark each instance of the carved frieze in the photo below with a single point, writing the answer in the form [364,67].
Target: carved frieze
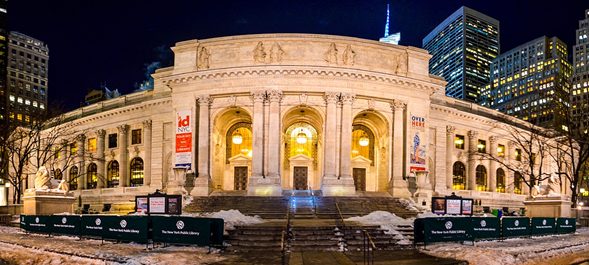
[349,56]
[204,57]
[331,55]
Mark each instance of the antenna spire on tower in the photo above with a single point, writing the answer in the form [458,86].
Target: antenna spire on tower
[386,26]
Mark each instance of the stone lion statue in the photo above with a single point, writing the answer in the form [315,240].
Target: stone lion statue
[42,179]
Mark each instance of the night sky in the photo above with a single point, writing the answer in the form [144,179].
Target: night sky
[113,41]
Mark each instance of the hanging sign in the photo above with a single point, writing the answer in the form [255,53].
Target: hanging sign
[417,153]
[183,139]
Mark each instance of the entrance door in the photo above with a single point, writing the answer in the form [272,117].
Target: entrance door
[359,179]
[300,178]
[240,178]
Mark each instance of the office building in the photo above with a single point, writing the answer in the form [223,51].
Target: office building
[580,79]
[462,48]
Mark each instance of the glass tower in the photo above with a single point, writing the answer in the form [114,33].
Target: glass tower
[462,48]
[580,79]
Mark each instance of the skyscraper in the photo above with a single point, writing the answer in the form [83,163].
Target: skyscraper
[528,80]
[27,78]
[580,79]
[3,60]
[462,47]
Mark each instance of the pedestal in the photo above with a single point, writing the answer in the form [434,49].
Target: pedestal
[338,187]
[259,186]
[47,202]
[549,206]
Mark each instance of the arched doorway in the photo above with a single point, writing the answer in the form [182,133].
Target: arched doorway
[92,176]
[233,137]
[112,174]
[301,148]
[481,178]
[137,174]
[500,180]
[370,145]
[458,176]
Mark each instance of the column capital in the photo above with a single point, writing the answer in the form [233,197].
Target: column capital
[204,100]
[258,96]
[347,98]
[101,133]
[331,97]
[398,105]
[147,124]
[123,129]
[274,95]
[493,139]
[473,134]
[450,129]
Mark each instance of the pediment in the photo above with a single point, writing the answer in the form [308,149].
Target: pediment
[361,159]
[239,157]
[300,157]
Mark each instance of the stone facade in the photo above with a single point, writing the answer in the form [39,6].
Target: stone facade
[264,114]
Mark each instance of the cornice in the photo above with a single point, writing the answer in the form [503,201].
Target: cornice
[120,110]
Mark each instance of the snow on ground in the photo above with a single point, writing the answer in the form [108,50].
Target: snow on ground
[411,205]
[233,218]
[534,250]
[386,220]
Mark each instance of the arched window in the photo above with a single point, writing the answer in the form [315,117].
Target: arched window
[136,172]
[517,183]
[363,142]
[500,180]
[57,174]
[481,178]
[112,174]
[458,176]
[73,181]
[238,141]
[92,176]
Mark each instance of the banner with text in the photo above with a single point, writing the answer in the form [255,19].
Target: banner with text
[183,153]
[418,144]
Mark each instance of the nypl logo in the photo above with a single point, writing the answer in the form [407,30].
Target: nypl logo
[123,223]
[566,222]
[97,221]
[63,220]
[516,222]
[544,222]
[179,225]
[36,219]
[483,223]
[448,225]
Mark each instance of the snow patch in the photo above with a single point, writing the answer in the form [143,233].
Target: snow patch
[233,218]
[386,220]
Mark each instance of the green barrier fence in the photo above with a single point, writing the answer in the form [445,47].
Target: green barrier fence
[126,228]
[485,227]
[515,226]
[65,224]
[566,225]
[444,229]
[183,230]
[36,223]
[543,226]
[92,226]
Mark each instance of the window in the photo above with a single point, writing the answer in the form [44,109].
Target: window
[73,149]
[459,141]
[112,140]
[57,174]
[518,154]
[112,174]
[501,150]
[92,176]
[481,178]
[458,178]
[73,180]
[500,180]
[136,172]
[136,136]
[92,144]
[482,146]
[517,183]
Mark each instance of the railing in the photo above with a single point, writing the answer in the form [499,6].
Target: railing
[286,236]
[368,248]
[342,224]
[313,200]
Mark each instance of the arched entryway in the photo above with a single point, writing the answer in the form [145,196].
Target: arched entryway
[370,144]
[232,136]
[301,145]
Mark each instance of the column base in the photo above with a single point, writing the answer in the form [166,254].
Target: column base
[344,186]
[260,186]
[423,198]
[399,188]
[202,186]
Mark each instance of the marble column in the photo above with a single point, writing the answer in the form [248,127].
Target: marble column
[330,132]
[202,182]
[147,155]
[450,130]
[398,186]
[258,98]
[100,134]
[274,97]
[472,155]
[124,180]
[346,137]
[493,165]
[80,139]
[510,177]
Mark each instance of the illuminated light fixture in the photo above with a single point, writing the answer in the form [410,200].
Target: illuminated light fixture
[582,190]
[459,141]
[302,137]
[480,146]
[364,141]
[237,138]
[499,149]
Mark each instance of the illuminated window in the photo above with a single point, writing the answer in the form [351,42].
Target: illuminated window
[73,149]
[363,142]
[517,183]
[137,172]
[238,141]
[481,178]
[112,174]
[500,176]
[92,176]
[136,136]
[482,146]
[459,141]
[73,179]
[91,144]
[458,178]
[57,174]
[501,150]
[518,154]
